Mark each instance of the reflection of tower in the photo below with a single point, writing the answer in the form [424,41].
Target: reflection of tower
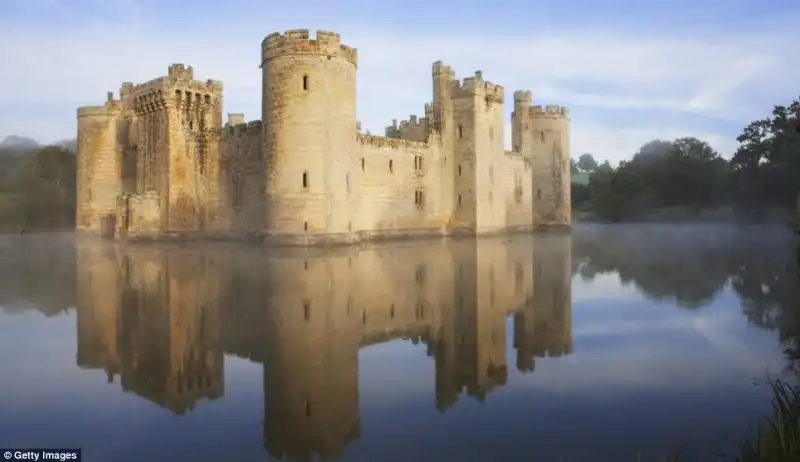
[169,327]
[311,374]
[470,348]
[97,292]
[544,326]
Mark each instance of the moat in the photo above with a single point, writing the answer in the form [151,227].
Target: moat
[599,345]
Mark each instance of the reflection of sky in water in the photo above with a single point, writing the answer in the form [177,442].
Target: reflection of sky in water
[643,376]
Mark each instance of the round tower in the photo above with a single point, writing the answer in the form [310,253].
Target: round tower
[98,169]
[549,127]
[309,114]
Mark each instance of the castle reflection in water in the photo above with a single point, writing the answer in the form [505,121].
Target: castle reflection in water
[162,320]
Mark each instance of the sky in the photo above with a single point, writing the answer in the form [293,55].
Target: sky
[629,71]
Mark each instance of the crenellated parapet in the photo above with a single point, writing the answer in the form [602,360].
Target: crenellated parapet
[414,128]
[392,143]
[550,111]
[472,86]
[240,130]
[441,69]
[299,42]
[176,88]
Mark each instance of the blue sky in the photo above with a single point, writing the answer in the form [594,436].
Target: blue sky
[630,71]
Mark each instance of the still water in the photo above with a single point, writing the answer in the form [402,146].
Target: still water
[613,341]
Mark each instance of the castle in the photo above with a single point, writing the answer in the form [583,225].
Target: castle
[158,162]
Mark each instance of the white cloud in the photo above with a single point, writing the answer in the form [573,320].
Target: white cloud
[591,71]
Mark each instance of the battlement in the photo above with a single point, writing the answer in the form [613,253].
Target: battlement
[235,119]
[440,68]
[522,101]
[392,143]
[551,110]
[242,129]
[180,71]
[179,77]
[413,123]
[300,42]
[471,86]
[96,111]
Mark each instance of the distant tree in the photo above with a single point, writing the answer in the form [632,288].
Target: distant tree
[766,165]
[684,172]
[45,188]
[604,167]
[587,163]
[573,166]
[652,151]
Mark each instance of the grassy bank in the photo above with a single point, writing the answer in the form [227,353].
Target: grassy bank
[777,438]
[685,214]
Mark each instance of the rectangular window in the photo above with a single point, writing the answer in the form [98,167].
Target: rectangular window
[419,199]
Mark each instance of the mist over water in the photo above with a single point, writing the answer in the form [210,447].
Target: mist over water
[616,340]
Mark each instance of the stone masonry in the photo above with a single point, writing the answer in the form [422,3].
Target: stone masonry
[158,163]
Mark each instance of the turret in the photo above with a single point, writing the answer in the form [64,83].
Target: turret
[543,136]
[99,175]
[309,114]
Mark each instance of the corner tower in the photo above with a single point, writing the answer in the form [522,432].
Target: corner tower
[99,167]
[542,135]
[309,114]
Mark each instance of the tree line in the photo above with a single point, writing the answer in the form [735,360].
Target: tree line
[37,188]
[759,182]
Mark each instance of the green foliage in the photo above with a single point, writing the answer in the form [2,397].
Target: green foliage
[767,164]
[587,163]
[687,172]
[37,190]
[777,439]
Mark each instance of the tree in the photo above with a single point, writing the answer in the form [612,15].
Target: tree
[587,163]
[45,188]
[766,165]
[686,172]
[573,166]
[652,151]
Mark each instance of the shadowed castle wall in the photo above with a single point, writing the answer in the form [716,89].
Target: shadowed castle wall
[242,176]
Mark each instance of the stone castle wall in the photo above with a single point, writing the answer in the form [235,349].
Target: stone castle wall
[304,174]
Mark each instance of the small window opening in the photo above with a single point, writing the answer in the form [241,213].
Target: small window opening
[391,166]
[308,409]
[460,131]
[307,310]
[305,180]
[362,164]
[391,311]
[459,199]
[305,226]
[459,170]
[538,193]
[305,82]
[347,182]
